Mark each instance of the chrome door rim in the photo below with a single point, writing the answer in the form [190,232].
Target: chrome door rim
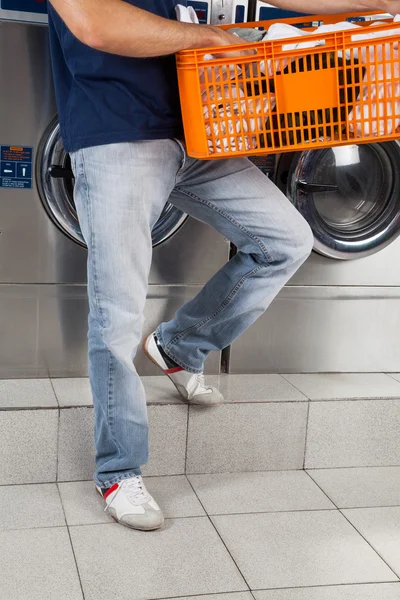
[56,194]
[365,235]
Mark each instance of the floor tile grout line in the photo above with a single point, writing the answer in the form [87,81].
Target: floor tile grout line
[370,544]
[228,403]
[58,443]
[54,392]
[397,466]
[391,376]
[202,516]
[230,554]
[306,436]
[328,585]
[27,408]
[76,563]
[203,595]
[251,592]
[307,470]
[322,490]
[220,536]
[70,541]
[359,532]
[357,399]
[293,385]
[187,439]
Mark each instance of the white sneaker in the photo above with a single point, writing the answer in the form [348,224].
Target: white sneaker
[191,386]
[129,503]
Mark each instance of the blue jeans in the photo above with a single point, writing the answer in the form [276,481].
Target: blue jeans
[120,191]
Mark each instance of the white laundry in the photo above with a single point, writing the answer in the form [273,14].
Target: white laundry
[186,14]
[211,75]
[236,115]
[280,31]
[226,118]
[380,94]
[234,121]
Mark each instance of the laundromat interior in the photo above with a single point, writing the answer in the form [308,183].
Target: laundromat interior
[288,491]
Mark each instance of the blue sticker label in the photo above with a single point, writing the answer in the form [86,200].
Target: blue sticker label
[16,167]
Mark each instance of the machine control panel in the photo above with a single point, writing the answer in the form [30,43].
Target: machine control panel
[30,6]
[32,11]
[203,10]
[265,11]
[208,11]
[218,12]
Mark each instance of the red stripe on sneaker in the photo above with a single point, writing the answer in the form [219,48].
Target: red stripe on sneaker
[111,490]
[174,370]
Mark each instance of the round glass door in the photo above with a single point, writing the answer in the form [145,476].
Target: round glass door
[56,184]
[350,196]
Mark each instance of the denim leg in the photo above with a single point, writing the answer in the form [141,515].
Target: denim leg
[272,238]
[120,191]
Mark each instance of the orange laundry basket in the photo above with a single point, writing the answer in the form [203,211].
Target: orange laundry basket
[279,99]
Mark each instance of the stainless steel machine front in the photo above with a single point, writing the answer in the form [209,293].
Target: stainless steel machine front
[43,303]
[341,310]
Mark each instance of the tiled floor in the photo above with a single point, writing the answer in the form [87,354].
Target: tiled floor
[237,536]
[234,530]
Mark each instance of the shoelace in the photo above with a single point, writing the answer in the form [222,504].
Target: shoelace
[135,491]
[200,379]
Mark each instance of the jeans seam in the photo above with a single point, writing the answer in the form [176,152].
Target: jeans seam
[257,240]
[97,300]
[223,305]
[92,244]
[237,287]
[183,162]
[118,478]
[109,403]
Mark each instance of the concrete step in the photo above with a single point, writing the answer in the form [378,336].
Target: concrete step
[268,422]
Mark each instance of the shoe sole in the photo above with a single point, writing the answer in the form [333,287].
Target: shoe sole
[130,526]
[185,400]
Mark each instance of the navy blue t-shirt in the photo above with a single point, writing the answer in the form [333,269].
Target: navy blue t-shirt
[104,98]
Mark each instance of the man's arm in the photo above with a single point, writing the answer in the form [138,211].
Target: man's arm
[325,7]
[120,28]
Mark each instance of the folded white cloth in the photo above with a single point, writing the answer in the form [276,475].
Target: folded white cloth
[186,14]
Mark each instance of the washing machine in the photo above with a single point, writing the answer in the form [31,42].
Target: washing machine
[264,11]
[218,12]
[43,299]
[341,311]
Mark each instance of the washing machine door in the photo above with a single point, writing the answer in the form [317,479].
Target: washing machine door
[350,196]
[56,183]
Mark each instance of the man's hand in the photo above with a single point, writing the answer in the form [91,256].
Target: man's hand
[393,7]
[220,37]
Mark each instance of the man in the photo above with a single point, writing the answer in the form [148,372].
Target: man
[119,113]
